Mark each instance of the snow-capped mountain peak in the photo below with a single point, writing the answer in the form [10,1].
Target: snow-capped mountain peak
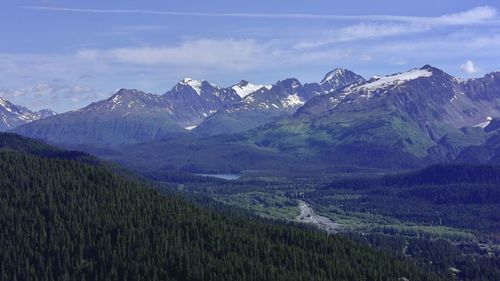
[339,78]
[244,88]
[12,115]
[334,74]
[194,84]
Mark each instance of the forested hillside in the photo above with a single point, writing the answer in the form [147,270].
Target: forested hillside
[461,196]
[66,220]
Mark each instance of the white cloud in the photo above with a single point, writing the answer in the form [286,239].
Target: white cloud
[469,67]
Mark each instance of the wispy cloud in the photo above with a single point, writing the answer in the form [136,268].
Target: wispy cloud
[209,55]
[362,31]
[454,45]
[132,29]
[396,26]
[371,26]
[227,54]
[476,15]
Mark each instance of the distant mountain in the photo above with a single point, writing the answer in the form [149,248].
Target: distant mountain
[285,95]
[12,115]
[403,120]
[268,104]
[396,120]
[289,94]
[127,116]
[191,101]
[338,79]
[399,121]
[260,107]
[132,116]
[244,88]
[44,113]
[487,151]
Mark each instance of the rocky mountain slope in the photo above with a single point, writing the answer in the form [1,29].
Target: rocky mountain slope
[269,104]
[12,115]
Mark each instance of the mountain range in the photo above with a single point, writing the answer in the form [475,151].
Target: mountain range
[272,103]
[132,116]
[403,120]
[12,115]
[420,115]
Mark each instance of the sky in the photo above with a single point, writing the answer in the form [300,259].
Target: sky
[64,55]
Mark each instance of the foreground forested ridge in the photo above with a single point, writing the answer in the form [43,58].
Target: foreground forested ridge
[66,220]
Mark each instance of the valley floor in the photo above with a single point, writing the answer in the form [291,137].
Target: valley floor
[406,220]
[307,215]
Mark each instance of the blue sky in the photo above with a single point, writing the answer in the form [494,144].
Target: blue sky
[66,54]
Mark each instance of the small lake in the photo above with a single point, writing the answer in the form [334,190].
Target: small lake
[222,176]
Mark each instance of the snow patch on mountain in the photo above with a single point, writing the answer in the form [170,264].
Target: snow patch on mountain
[485,123]
[295,84]
[292,101]
[116,101]
[245,88]
[393,80]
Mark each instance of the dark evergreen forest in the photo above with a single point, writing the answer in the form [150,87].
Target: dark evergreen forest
[61,219]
